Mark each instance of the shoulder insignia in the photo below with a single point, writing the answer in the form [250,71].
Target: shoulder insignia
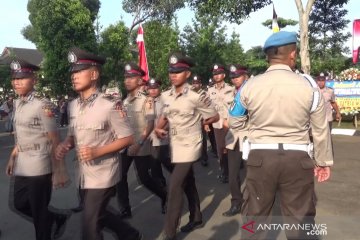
[119,107]
[205,98]
[49,108]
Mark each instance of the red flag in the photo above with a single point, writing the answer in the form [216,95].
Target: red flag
[356,41]
[142,53]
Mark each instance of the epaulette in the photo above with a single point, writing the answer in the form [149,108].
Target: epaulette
[141,93]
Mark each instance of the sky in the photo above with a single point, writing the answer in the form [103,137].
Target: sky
[14,17]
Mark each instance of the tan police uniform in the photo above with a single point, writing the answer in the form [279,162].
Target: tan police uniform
[329,97]
[140,110]
[280,112]
[34,118]
[158,106]
[222,96]
[96,122]
[184,112]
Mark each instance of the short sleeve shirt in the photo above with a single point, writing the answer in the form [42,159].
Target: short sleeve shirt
[97,122]
[33,118]
[329,97]
[184,112]
[222,98]
[140,110]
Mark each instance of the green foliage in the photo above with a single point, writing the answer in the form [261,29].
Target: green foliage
[114,44]
[282,22]
[256,60]
[93,6]
[60,25]
[327,40]
[230,10]
[161,10]
[233,51]
[160,39]
[204,42]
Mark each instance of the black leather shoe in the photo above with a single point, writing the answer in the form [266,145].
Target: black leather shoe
[223,178]
[77,209]
[60,224]
[191,226]
[138,236]
[125,213]
[232,211]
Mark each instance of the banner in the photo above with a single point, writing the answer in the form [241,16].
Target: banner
[356,41]
[142,53]
[347,94]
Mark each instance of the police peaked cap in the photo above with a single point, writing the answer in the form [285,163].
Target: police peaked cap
[153,83]
[179,62]
[22,69]
[196,79]
[131,69]
[218,69]
[236,70]
[81,59]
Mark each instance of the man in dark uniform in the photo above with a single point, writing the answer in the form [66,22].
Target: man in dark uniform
[140,111]
[98,129]
[280,115]
[32,160]
[197,87]
[183,112]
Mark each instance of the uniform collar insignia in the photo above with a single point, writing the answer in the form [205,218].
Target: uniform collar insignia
[89,99]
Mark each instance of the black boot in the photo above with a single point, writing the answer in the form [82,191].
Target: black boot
[125,212]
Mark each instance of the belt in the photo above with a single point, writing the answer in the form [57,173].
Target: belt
[28,147]
[185,131]
[280,146]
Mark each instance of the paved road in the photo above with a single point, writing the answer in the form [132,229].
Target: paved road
[337,201]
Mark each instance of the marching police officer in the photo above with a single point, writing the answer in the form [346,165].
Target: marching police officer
[98,129]
[160,151]
[183,111]
[140,111]
[281,106]
[222,95]
[32,161]
[197,87]
[234,139]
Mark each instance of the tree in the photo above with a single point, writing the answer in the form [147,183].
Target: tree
[233,51]
[59,25]
[143,10]
[231,10]
[282,22]
[204,42]
[160,39]
[115,46]
[256,60]
[327,40]
[304,35]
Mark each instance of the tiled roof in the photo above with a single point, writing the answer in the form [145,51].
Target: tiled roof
[32,56]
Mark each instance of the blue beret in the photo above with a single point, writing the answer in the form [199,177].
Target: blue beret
[280,39]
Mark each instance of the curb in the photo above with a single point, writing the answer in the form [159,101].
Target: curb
[343,131]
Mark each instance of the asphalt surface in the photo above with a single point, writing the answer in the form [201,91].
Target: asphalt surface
[338,201]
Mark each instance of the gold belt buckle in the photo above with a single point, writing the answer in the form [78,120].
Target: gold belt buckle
[173,131]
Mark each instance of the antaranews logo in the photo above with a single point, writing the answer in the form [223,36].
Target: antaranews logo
[310,229]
